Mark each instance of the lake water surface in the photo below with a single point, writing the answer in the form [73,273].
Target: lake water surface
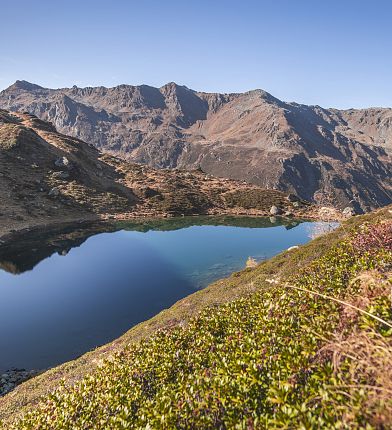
[64,295]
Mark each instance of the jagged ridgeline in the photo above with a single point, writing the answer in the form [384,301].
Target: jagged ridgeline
[272,346]
[330,156]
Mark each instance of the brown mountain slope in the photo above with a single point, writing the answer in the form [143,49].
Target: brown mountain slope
[47,177]
[324,155]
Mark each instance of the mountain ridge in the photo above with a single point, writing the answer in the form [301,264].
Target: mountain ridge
[330,156]
[24,84]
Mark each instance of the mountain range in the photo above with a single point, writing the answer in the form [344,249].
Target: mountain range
[48,178]
[328,156]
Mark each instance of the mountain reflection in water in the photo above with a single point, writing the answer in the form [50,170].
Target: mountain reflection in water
[71,289]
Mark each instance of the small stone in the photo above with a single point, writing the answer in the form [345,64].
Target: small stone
[61,175]
[296,204]
[54,192]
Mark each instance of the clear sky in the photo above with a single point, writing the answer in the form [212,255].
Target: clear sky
[329,52]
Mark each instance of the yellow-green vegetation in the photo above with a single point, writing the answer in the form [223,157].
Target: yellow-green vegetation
[302,348]
[255,199]
[9,136]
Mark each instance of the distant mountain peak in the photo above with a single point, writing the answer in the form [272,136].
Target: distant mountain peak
[172,87]
[264,95]
[24,85]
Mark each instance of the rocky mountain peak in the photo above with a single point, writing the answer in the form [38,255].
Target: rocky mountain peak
[185,105]
[172,87]
[24,85]
[263,95]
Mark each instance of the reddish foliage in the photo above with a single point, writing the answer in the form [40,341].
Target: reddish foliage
[374,237]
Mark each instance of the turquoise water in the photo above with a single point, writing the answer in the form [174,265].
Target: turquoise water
[68,304]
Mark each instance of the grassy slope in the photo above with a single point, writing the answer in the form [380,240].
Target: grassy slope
[255,361]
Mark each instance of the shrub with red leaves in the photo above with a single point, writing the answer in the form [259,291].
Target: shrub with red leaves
[374,237]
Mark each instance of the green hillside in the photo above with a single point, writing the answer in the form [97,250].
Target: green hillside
[301,341]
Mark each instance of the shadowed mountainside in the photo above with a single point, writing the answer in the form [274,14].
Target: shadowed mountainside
[339,157]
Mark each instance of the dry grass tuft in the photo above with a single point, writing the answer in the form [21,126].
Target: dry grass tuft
[365,360]
[369,284]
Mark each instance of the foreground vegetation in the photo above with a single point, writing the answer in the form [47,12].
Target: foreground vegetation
[295,349]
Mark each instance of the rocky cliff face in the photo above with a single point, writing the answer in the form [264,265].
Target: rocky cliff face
[324,155]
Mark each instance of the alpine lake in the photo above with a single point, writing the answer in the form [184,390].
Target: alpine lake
[66,291]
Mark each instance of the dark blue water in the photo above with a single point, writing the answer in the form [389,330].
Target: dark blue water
[67,305]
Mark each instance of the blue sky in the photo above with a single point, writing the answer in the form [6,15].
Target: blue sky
[328,52]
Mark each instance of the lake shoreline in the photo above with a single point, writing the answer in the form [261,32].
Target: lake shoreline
[10,230]
[11,378]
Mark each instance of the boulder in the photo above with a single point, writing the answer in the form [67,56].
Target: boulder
[251,263]
[63,163]
[150,192]
[292,198]
[348,212]
[275,210]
